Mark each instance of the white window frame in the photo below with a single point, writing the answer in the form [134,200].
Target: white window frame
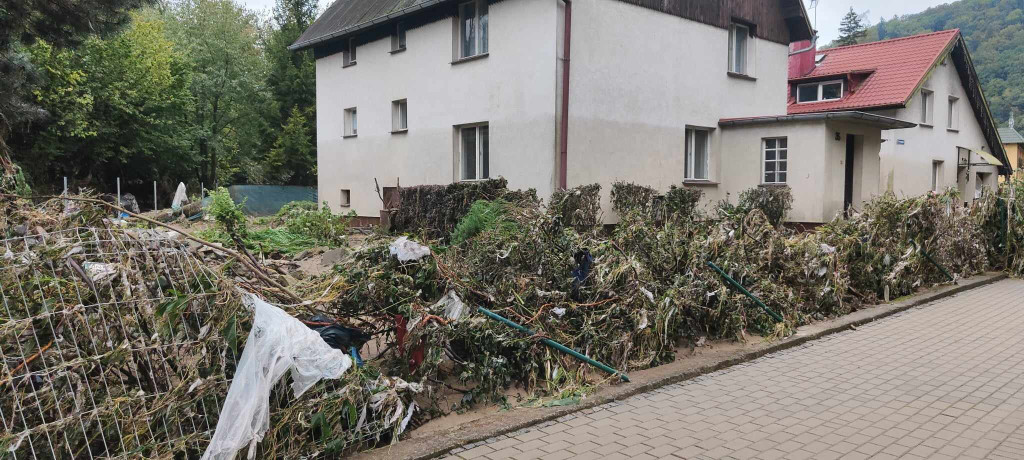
[479,28]
[399,38]
[953,114]
[936,175]
[349,54]
[734,30]
[821,91]
[927,106]
[690,141]
[777,150]
[399,116]
[482,172]
[351,122]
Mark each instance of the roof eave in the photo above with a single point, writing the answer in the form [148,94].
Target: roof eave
[880,121]
[298,46]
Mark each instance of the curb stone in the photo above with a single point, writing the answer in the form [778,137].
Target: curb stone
[473,433]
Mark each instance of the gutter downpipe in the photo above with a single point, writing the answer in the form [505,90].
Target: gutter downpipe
[813,45]
[563,154]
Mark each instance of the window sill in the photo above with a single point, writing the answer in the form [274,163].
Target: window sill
[741,76]
[925,125]
[400,131]
[699,182]
[470,58]
[350,64]
[397,50]
[773,184]
[953,130]
[347,136]
[475,180]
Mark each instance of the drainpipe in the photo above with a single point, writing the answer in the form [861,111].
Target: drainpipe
[563,154]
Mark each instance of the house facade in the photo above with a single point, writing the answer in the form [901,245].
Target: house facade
[1013,144]
[550,94]
[925,79]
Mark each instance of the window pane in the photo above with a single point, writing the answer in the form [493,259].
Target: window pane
[483,26]
[700,157]
[807,93]
[740,50]
[352,50]
[782,166]
[769,143]
[469,153]
[687,154]
[769,166]
[355,122]
[782,154]
[401,36]
[782,142]
[831,91]
[769,177]
[769,155]
[467,29]
[485,158]
[781,177]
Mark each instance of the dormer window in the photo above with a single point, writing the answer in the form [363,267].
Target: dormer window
[819,91]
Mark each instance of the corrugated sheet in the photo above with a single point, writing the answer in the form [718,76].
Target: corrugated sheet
[781,21]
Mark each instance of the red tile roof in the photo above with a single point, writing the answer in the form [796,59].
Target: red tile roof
[893,68]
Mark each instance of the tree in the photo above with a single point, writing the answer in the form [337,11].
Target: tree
[221,43]
[63,24]
[881,29]
[291,83]
[851,29]
[116,108]
[293,158]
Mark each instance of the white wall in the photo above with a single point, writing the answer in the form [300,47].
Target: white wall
[638,77]
[907,168]
[513,89]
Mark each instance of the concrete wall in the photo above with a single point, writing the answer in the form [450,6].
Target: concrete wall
[639,77]
[513,89]
[906,169]
[865,165]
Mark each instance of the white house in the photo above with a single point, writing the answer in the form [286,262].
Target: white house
[659,93]
[927,79]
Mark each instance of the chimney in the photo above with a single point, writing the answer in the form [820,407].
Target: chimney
[801,63]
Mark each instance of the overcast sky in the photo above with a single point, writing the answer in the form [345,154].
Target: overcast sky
[830,12]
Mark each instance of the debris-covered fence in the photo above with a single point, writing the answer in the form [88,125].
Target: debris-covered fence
[111,344]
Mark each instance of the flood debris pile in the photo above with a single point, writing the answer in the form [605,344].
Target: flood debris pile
[120,341]
[124,341]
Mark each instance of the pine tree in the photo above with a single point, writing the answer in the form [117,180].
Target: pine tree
[851,29]
[882,29]
[293,159]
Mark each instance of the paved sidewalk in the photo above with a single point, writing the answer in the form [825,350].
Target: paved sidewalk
[945,380]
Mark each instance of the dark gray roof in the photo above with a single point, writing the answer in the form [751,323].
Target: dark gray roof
[784,22]
[345,16]
[1010,136]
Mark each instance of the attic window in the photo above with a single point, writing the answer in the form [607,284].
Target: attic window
[818,58]
[819,91]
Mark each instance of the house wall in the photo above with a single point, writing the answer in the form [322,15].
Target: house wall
[513,89]
[1013,154]
[906,169]
[639,77]
[806,165]
[866,163]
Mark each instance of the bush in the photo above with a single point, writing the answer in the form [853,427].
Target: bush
[437,209]
[681,202]
[323,226]
[227,214]
[628,197]
[774,202]
[483,215]
[578,207]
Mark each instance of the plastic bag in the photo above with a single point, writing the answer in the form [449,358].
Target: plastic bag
[277,343]
[180,198]
[407,250]
[452,305]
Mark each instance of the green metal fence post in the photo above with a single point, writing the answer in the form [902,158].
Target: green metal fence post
[929,257]
[555,345]
[777,317]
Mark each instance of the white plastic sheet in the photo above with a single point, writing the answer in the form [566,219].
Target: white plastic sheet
[277,343]
[180,197]
[407,250]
